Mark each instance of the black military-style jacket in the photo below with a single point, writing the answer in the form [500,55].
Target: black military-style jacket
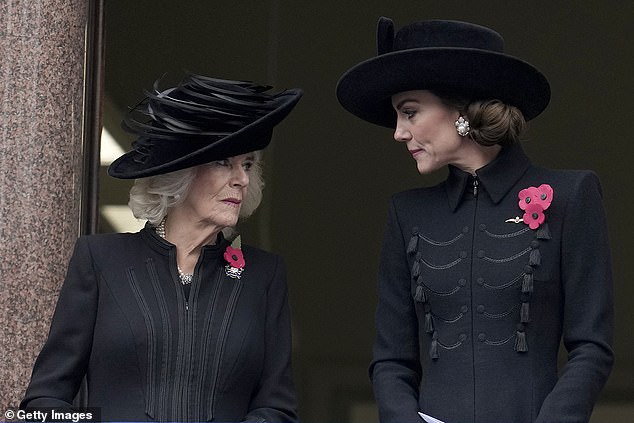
[152,352]
[473,303]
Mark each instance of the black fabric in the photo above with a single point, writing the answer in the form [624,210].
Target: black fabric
[447,34]
[472,308]
[150,354]
[457,58]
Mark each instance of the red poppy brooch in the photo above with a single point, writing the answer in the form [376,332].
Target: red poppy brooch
[235,259]
[534,201]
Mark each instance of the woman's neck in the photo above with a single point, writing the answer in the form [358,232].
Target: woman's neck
[189,237]
[476,156]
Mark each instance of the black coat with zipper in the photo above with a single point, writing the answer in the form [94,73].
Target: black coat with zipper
[473,305]
[150,352]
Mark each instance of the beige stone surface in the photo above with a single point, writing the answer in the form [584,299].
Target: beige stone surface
[41,115]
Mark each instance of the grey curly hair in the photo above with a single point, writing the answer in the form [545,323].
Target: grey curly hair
[152,197]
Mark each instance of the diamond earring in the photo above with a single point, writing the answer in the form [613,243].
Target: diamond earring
[462,126]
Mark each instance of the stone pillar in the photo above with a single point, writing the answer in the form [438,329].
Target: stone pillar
[42,52]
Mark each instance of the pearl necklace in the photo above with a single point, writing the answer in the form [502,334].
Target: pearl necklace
[185,278]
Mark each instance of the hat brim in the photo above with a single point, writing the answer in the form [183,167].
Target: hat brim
[366,89]
[189,152]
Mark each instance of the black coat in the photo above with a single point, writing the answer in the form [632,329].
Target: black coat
[150,353]
[472,308]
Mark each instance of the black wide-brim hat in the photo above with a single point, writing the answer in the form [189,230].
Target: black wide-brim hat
[201,120]
[451,57]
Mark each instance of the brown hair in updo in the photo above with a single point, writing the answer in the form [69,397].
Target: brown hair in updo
[492,121]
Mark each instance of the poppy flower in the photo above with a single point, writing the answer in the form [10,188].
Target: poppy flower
[234,257]
[534,215]
[542,195]
[526,197]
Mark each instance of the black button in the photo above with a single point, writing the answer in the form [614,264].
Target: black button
[463,254]
[483,227]
[462,337]
[534,243]
[462,282]
[482,337]
[481,253]
[480,308]
[465,230]
[480,281]
[464,309]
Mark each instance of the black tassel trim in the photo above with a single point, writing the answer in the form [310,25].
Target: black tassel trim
[420,295]
[413,244]
[520,341]
[416,269]
[524,313]
[416,266]
[527,284]
[535,258]
[429,323]
[543,232]
[433,350]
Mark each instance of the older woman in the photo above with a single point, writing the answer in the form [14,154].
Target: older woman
[178,322]
[483,275]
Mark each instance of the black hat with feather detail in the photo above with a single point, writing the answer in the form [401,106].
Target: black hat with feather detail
[201,120]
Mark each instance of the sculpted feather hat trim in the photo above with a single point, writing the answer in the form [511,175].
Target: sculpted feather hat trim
[452,57]
[200,120]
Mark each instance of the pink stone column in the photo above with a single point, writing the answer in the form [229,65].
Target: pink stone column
[42,50]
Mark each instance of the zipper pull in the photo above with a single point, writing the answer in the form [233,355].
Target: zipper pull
[475,186]
[186,305]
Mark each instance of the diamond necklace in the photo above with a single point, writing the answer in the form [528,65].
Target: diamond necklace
[185,278]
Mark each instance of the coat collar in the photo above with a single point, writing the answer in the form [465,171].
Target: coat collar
[164,247]
[496,178]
